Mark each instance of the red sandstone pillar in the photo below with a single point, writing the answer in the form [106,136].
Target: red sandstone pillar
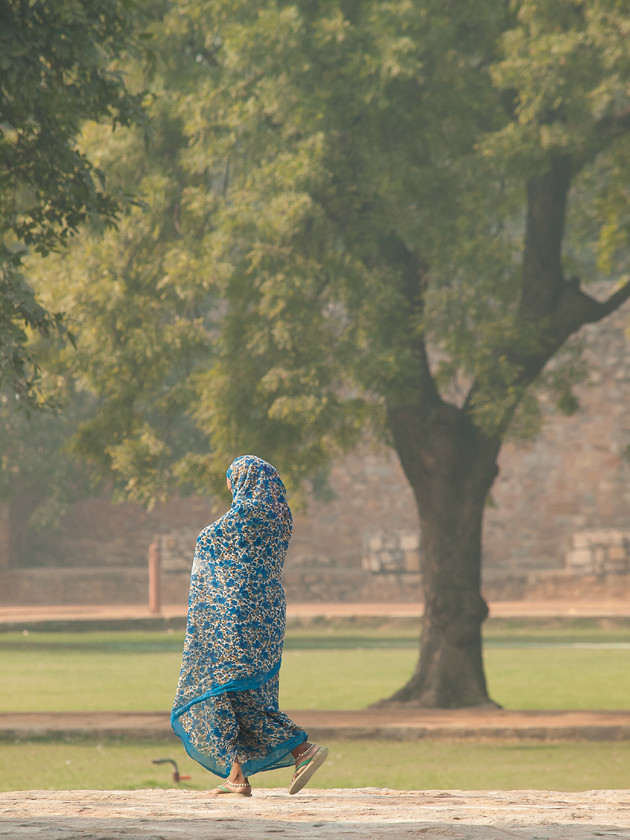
[5,536]
[154,578]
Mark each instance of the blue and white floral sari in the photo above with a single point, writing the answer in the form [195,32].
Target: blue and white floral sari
[226,706]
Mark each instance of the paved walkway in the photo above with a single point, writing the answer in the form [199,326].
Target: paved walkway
[363,814]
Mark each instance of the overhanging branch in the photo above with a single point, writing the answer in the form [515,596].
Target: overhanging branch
[414,274]
[575,309]
[600,309]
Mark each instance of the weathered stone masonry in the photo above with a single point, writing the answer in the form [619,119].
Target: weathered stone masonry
[554,498]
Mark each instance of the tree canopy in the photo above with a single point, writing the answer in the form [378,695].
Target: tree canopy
[56,72]
[350,181]
[359,213]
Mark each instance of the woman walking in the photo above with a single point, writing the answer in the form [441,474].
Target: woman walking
[226,707]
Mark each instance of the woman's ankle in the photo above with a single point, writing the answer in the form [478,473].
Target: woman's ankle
[242,782]
[300,751]
[237,777]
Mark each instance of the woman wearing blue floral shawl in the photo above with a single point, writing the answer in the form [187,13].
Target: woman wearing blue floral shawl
[226,707]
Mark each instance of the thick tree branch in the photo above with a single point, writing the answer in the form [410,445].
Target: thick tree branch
[551,308]
[542,276]
[575,309]
[416,283]
[543,287]
[414,276]
[597,310]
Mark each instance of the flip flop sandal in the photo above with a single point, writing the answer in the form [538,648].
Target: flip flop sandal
[306,768]
[228,788]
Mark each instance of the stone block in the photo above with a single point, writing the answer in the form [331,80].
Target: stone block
[618,567]
[600,556]
[374,542]
[614,538]
[581,559]
[371,563]
[617,552]
[389,560]
[390,542]
[412,561]
[583,540]
[409,542]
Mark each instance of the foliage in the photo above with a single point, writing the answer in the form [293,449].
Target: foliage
[331,188]
[56,72]
[361,217]
[38,476]
[140,306]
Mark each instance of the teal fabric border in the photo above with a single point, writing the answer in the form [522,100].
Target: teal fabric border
[232,685]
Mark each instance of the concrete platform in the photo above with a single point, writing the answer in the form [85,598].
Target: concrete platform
[363,814]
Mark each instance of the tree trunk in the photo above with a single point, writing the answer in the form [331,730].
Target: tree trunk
[451,467]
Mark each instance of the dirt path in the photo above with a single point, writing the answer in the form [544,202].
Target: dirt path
[397,724]
[30,615]
[363,814]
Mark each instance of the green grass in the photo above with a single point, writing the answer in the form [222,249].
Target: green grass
[419,765]
[346,669]
[559,678]
[342,666]
[90,680]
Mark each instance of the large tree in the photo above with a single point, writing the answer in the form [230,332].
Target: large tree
[56,71]
[394,208]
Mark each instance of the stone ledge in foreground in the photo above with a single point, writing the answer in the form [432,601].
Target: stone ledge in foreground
[392,724]
[365,814]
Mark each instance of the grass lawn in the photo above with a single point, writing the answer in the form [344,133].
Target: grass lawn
[420,765]
[552,666]
[348,668]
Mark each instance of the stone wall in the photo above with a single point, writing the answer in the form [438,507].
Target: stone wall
[43,587]
[364,545]
[599,553]
[576,475]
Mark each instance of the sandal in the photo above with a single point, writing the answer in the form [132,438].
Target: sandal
[305,769]
[232,789]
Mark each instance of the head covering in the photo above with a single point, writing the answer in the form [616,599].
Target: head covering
[256,480]
[237,608]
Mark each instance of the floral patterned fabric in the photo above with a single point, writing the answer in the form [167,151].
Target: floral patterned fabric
[226,704]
